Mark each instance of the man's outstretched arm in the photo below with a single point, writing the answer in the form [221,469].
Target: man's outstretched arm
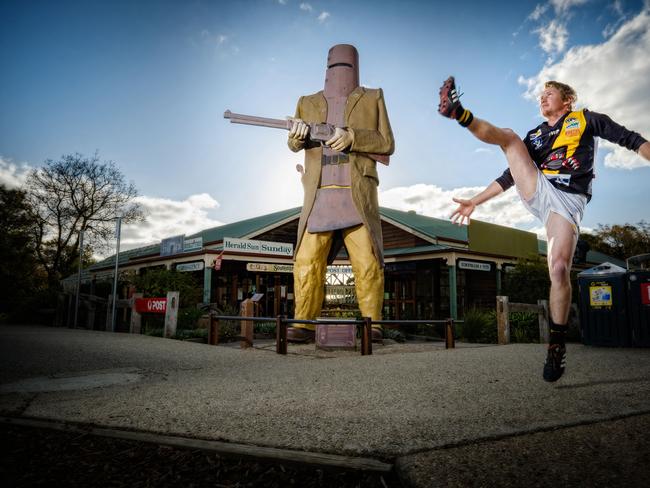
[644,150]
[466,207]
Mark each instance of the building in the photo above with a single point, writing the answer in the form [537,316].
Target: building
[434,269]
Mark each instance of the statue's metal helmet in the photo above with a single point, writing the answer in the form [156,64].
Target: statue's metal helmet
[342,75]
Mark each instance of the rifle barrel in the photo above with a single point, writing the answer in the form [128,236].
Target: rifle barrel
[259,121]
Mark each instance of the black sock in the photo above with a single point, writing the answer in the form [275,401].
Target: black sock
[558,333]
[465,118]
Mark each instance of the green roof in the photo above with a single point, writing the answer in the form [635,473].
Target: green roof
[239,229]
[429,226]
[415,250]
[246,227]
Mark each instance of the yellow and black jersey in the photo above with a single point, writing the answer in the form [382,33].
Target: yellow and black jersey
[564,152]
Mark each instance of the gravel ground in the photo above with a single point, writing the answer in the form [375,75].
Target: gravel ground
[32,457]
[609,454]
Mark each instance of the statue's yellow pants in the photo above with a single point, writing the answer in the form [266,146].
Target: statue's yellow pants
[311,265]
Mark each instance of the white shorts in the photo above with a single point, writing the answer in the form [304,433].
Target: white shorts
[548,198]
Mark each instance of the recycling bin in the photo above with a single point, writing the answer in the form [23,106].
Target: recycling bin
[638,309]
[602,298]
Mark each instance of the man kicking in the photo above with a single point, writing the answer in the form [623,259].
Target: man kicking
[552,169]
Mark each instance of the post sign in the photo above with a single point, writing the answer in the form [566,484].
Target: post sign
[249,246]
[151,305]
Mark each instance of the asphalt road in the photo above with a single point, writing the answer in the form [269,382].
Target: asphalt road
[471,416]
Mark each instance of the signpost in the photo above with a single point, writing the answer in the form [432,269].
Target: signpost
[81,250]
[118,230]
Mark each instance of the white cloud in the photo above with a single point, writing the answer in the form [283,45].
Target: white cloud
[323,16]
[563,6]
[540,10]
[612,78]
[433,201]
[553,37]
[306,7]
[483,150]
[13,175]
[282,2]
[166,217]
[221,39]
[617,7]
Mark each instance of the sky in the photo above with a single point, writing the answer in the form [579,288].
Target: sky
[145,84]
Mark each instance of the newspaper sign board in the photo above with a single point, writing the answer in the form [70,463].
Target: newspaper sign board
[249,246]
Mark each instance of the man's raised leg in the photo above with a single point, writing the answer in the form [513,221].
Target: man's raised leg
[521,166]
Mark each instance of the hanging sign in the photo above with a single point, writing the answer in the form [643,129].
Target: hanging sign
[196,266]
[474,266]
[270,267]
[216,264]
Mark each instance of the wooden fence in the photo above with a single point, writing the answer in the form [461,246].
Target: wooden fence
[504,307]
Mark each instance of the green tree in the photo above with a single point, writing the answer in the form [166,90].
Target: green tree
[19,273]
[72,194]
[620,241]
[528,281]
[157,282]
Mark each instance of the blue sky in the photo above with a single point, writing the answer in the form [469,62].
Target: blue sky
[146,83]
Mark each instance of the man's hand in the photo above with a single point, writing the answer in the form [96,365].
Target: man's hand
[464,210]
[299,129]
[341,139]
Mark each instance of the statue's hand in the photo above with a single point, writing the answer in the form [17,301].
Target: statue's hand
[299,129]
[341,140]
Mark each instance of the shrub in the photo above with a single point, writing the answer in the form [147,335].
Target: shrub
[478,326]
[394,334]
[188,318]
[184,334]
[524,327]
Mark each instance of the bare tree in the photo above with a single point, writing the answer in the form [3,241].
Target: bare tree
[72,194]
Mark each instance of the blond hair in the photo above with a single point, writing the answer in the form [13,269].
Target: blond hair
[567,93]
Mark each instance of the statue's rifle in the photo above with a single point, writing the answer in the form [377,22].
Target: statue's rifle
[317,132]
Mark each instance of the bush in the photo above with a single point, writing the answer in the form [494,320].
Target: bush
[524,327]
[527,282]
[264,328]
[184,334]
[478,326]
[157,282]
[188,318]
[394,334]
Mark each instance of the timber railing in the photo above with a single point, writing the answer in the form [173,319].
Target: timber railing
[282,322]
[505,306]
